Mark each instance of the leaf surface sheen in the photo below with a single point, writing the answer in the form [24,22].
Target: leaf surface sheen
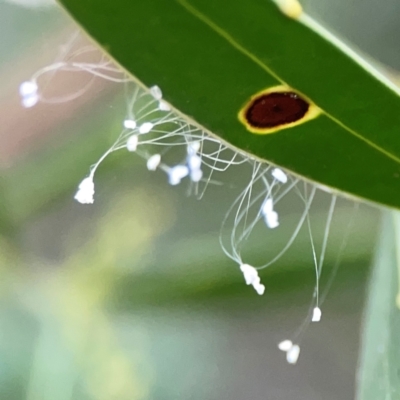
[210,57]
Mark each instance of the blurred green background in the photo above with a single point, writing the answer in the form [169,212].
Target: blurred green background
[132,298]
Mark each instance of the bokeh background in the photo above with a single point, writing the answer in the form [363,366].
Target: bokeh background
[132,297]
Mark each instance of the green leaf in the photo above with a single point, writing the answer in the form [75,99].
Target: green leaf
[379,376]
[211,57]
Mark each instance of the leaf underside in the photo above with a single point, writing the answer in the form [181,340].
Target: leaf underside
[211,57]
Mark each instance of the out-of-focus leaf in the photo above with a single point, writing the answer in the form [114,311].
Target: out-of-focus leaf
[380,360]
[177,276]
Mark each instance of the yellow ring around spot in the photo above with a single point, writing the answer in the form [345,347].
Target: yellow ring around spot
[313,111]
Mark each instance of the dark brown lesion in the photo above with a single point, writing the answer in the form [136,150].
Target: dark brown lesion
[276,108]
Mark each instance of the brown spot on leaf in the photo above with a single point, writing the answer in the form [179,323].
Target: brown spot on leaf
[276,108]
